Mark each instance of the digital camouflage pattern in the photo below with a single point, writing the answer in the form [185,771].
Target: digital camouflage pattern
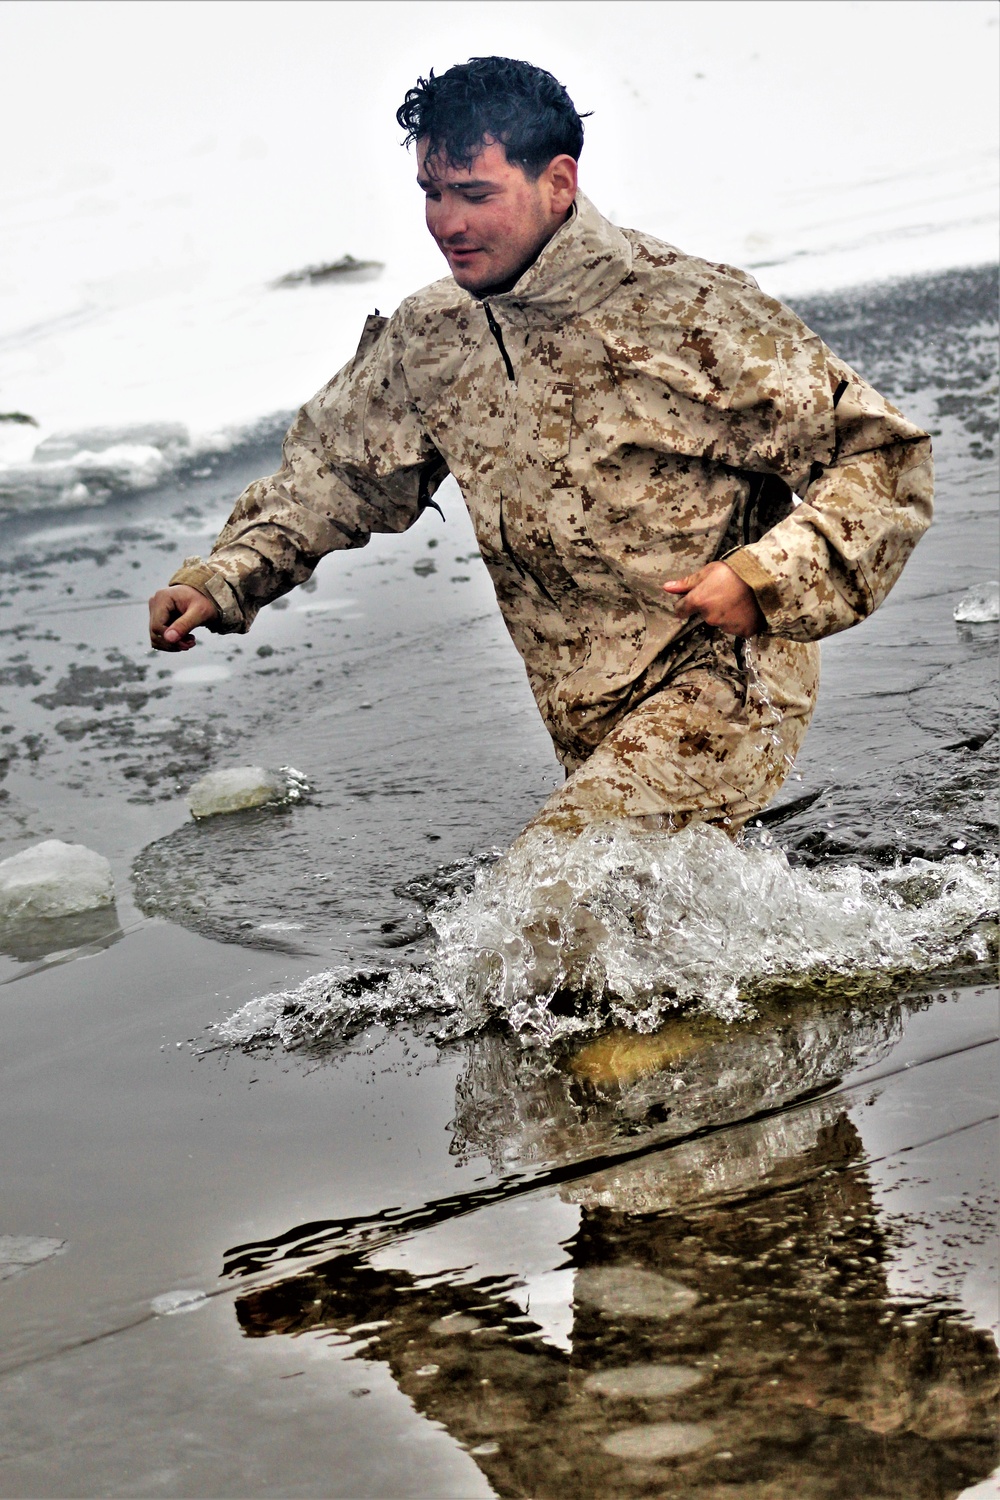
[623,416]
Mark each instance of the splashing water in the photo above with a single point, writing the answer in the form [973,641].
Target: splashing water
[622,925]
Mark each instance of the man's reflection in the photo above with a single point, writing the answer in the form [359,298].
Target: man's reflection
[732,1329]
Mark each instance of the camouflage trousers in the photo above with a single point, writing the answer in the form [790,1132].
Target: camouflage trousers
[712,745]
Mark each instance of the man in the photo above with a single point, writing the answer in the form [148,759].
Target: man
[629,427]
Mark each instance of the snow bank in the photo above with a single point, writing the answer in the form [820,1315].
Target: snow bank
[818,145]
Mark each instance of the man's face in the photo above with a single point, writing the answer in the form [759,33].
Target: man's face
[489,220]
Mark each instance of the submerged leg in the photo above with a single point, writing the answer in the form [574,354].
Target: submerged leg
[711,747]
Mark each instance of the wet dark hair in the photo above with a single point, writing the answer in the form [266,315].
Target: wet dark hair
[519,106]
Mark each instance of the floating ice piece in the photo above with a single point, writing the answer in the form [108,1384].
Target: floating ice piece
[241,787]
[980,606]
[324,606]
[30,939]
[53,879]
[19,1252]
[168,1303]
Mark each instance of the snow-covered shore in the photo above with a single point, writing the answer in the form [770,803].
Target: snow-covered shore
[171,165]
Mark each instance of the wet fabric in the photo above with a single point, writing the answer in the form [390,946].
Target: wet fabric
[711,747]
[623,416]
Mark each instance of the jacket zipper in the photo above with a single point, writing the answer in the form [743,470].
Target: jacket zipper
[522,568]
[494,327]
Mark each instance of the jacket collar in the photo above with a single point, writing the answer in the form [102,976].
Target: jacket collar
[582,263]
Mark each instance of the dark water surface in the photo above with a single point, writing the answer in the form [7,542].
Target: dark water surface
[750,1260]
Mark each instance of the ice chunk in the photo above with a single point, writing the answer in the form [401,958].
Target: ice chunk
[241,787]
[19,1252]
[980,606]
[168,1303]
[53,879]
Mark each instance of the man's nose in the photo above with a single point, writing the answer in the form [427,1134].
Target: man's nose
[450,219]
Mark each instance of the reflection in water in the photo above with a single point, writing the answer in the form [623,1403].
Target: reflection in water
[33,939]
[519,1105]
[729,1329]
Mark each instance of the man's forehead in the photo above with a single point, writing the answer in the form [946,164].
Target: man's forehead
[488,164]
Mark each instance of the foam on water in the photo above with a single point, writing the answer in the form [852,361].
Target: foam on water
[564,936]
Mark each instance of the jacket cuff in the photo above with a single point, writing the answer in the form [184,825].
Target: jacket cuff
[202,576]
[747,566]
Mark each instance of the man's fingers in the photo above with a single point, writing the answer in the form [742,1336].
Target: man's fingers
[687,592]
[688,603]
[161,611]
[178,629]
[174,612]
[682,585]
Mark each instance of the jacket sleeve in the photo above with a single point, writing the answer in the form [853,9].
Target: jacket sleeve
[866,484]
[356,460]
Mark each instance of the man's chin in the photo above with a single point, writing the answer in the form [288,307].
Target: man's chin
[471,278]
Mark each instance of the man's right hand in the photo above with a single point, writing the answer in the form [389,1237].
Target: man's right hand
[174,612]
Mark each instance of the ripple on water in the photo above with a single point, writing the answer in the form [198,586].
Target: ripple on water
[169,1303]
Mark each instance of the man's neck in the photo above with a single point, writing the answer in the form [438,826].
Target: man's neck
[499,287]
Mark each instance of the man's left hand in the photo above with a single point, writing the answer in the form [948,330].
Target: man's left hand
[721,598]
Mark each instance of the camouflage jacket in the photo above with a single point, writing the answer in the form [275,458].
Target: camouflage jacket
[621,417]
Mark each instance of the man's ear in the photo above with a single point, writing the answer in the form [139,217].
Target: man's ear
[559,182]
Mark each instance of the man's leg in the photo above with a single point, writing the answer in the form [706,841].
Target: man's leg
[713,746]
